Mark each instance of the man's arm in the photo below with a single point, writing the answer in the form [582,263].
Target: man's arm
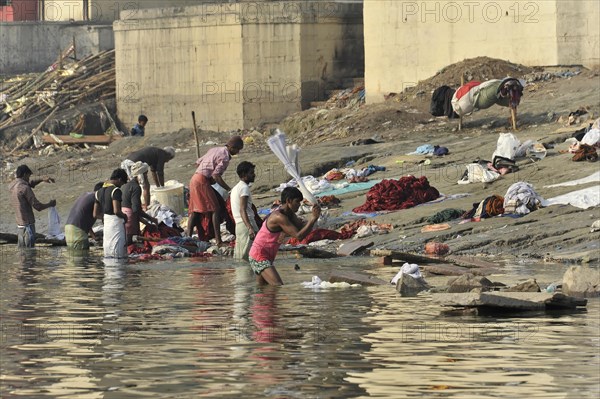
[160,173]
[35,182]
[96,212]
[37,205]
[147,219]
[298,222]
[244,214]
[221,182]
[161,178]
[155,178]
[291,230]
[117,210]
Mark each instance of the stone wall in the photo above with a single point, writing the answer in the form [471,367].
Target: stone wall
[33,46]
[236,65]
[577,32]
[407,41]
[107,11]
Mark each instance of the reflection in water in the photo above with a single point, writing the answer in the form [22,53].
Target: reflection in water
[76,326]
[263,311]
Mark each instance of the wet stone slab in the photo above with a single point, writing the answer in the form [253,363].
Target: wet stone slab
[510,300]
[355,278]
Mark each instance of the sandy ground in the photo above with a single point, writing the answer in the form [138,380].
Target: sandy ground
[554,233]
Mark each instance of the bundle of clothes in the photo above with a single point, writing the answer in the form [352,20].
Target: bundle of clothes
[520,199]
[585,142]
[164,242]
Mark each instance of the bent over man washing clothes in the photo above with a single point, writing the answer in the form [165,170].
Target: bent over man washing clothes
[80,221]
[155,158]
[203,197]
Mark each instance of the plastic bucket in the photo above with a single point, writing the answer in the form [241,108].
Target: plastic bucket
[171,196]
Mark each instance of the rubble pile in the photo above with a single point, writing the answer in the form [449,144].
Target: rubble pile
[348,98]
[63,84]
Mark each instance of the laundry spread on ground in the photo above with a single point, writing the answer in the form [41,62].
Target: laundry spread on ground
[393,195]
[584,199]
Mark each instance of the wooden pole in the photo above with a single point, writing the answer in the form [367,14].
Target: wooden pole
[74,49]
[196,135]
[462,82]
[37,129]
[513,114]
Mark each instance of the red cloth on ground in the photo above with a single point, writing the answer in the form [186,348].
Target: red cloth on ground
[329,200]
[136,249]
[162,231]
[334,175]
[391,195]
[349,229]
[316,235]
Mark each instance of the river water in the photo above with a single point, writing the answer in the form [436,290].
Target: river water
[75,327]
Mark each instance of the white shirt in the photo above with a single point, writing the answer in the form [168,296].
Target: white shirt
[240,190]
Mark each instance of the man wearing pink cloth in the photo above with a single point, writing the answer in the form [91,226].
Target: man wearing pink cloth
[203,197]
[282,220]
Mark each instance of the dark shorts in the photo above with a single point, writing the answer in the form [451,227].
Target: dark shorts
[259,266]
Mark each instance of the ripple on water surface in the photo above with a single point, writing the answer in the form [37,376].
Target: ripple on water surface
[73,326]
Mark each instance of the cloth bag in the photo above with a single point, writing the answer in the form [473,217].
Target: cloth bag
[54,230]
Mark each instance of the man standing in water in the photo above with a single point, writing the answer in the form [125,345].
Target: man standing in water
[24,201]
[241,209]
[108,203]
[282,220]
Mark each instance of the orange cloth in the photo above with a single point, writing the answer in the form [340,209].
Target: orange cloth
[436,248]
[435,227]
[585,153]
[495,206]
[202,196]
